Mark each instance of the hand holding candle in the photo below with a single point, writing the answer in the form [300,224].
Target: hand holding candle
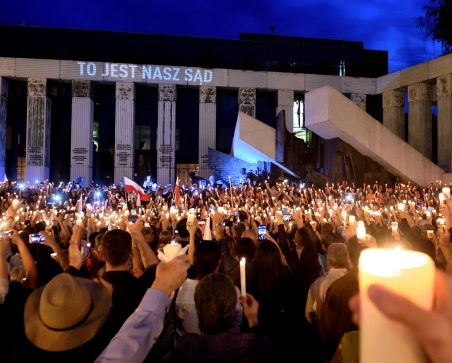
[409,273]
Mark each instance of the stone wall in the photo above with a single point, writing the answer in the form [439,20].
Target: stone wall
[225,165]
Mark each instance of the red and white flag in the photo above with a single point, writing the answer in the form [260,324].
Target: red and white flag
[177,192]
[130,186]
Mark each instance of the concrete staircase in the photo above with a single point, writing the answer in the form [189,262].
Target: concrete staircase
[332,115]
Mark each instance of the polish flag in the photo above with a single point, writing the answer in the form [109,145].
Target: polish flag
[177,192]
[130,186]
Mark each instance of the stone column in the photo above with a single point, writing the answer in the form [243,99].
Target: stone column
[207,128]
[285,103]
[82,132]
[444,103]
[420,118]
[38,131]
[3,110]
[394,112]
[124,131]
[166,135]
[247,101]
[359,99]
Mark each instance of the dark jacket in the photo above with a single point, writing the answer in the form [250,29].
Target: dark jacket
[230,346]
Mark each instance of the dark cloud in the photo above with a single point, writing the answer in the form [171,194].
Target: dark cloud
[380,24]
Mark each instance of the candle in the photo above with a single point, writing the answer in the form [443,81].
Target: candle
[410,274]
[394,226]
[190,219]
[446,191]
[351,219]
[171,250]
[242,277]
[361,230]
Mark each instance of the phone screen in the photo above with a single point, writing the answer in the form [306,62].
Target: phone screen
[36,238]
[287,217]
[262,232]
[133,219]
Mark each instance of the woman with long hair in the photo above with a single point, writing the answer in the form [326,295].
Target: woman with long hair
[272,284]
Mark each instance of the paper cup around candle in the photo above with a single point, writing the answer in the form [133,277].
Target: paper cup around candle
[171,250]
[410,274]
[351,219]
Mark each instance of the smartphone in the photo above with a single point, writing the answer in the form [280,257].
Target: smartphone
[262,232]
[133,219]
[36,238]
[9,233]
[287,217]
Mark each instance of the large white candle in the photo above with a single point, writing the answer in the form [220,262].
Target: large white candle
[446,191]
[242,277]
[408,273]
[190,219]
[361,230]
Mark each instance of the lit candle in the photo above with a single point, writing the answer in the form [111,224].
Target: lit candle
[351,219]
[446,191]
[394,226]
[410,274]
[242,277]
[361,230]
[190,219]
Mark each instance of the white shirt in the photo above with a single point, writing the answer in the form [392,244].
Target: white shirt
[318,289]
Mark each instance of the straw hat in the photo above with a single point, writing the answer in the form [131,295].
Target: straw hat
[65,313]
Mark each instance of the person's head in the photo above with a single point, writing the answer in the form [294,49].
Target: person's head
[98,240]
[237,230]
[249,233]
[47,269]
[354,249]
[92,239]
[151,238]
[245,247]
[336,256]
[207,258]
[327,229]
[267,269]
[182,228]
[243,216]
[116,247]
[215,301]
[65,313]
[302,238]
[164,238]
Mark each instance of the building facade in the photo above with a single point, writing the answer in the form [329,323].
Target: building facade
[101,105]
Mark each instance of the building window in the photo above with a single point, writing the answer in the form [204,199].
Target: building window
[143,137]
[20,169]
[299,130]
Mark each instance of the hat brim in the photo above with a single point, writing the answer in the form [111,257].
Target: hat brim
[55,341]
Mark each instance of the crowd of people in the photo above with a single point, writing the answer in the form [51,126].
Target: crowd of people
[252,272]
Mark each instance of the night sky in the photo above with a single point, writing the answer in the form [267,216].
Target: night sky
[380,24]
